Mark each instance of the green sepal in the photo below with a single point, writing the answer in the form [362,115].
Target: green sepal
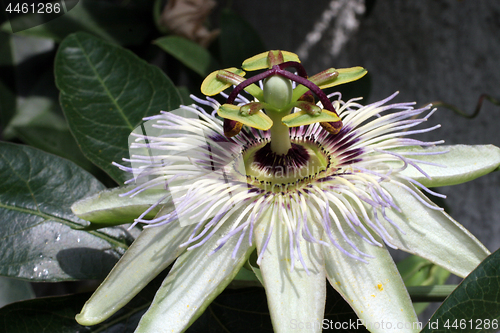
[108,208]
[212,85]
[345,75]
[303,118]
[258,120]
[260,61]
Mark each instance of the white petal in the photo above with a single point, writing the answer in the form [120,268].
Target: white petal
[296,300]
[194,281]
[463,163]
[151,252]
[374,290]
[432,234]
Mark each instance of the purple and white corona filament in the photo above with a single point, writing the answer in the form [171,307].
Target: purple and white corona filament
[332,180]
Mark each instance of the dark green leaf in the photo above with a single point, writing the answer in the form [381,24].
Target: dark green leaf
[157,9]
[234,310]
[474,306]
[57,315]
[185,95]
[38,239]
[14,290]
[54,314]
[189,53]
[245,310]
[238,40]
[339,316]
[40,123]
[7,80]
[115,23]
[105,92]
[58,141]
[32,80]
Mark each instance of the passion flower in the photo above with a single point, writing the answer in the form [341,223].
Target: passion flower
[319,190]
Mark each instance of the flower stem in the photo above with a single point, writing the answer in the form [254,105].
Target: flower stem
[434,293]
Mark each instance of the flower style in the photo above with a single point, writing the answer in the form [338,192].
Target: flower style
[318,190]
